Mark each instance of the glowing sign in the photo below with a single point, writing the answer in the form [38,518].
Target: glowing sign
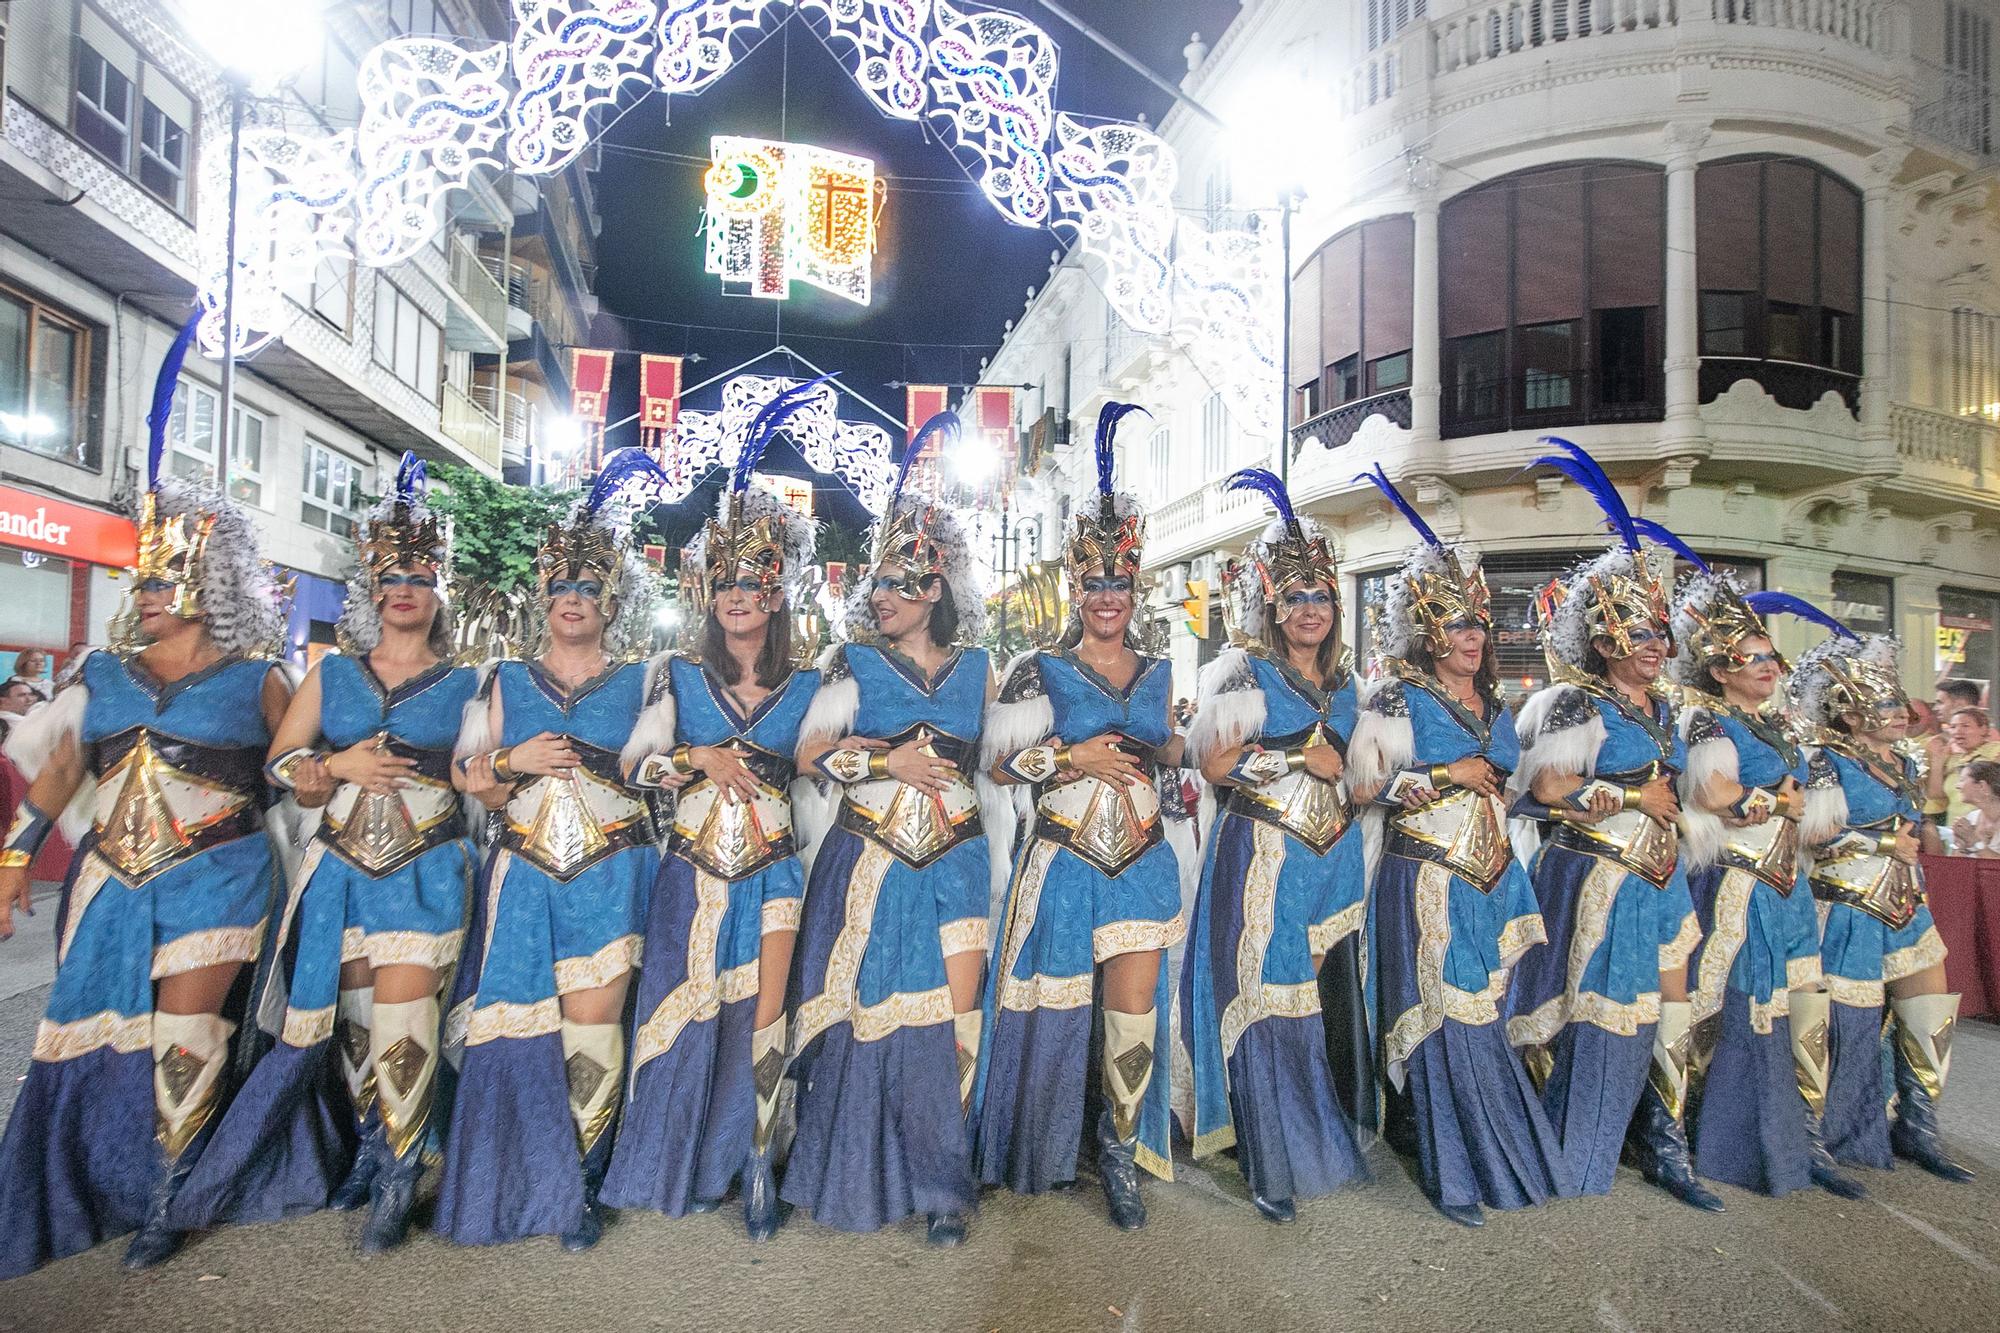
[780,212]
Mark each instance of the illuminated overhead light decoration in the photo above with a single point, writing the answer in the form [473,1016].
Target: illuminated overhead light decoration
[293,209]
[570,56]
[995,75]
[1225,304]
[885,38]
[857,452]
[778,212]
[695,39]
[1115,191]
[430,116]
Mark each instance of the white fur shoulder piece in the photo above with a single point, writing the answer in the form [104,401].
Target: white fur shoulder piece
[1826,804]
[1229,707]
[1021,714]
[475,723]
[1381,746]
[654,731]
[1557,735]
[1702,831]
[832,713]
[35,738]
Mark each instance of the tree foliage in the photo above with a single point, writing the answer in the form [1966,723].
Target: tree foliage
[495,527]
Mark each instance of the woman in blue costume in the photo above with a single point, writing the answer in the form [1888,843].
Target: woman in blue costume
[1877,939]
[1607,1001]
[1451,910]
[538,1007]
[372,925]
[1283,883]
[1759,1002]
[708,1051]
[885,988]
[1095,885]
[160,744]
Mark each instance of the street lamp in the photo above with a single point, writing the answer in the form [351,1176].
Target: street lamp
[258,44]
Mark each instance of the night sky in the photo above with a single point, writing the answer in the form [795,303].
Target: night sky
[949,270]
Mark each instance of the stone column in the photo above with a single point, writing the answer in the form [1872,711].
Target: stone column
[1877,385]
[1426,354]
[1684,425]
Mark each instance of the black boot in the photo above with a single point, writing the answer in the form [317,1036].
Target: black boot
[591,1228]
[394,1194]
[158,1241]
[945,1231]
[359,1187]
[1825,1172]
[1465,1214]
[763,1213]
[1275,1210]
[1920,1072]
[1117,1165]
[1659,1142]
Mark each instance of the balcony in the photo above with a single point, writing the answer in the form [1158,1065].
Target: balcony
[517,428]
[1200,521]
[1946,451]
[1336,426]
[1792,383]
[475,319]
[471,426]
[1953,108]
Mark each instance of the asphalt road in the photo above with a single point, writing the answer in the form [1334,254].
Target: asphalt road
[1918,1254]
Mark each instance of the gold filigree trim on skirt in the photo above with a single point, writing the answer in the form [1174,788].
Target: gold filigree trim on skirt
[1321,936]
[513,1021]
[1727,931]
[967,935]
[1856,994]
[307,1027]
[67,1041]
[698,997]
[1116,937]
[1675,952]
[839,1000]
[206,948]
[782,914]
[1594,899]
[602,968]
[400,948]
[1928,951]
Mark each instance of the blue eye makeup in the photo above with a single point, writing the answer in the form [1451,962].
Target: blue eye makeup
[406,581]
[588,589]
[156,585]
[1319,598]
[1100,583]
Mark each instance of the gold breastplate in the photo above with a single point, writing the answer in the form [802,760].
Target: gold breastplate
[566,824]
[732,838]
[1463,830]
[1110,827]
[917,826]
[152,814]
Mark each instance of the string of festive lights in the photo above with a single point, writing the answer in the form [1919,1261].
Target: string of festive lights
[857,452]
[568,58]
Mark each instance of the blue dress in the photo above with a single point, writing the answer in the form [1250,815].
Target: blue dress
[1451,912]
[79,1161]
[688,1119]
[1283,882]
[560,907]
[1068,909]
[1592,997]
[291,1133]
[901,882]
[1864,946]
[1759,943]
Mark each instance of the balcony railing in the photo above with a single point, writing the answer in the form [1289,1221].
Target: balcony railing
[1336,426]
[1943,439]
[1953,107]
[472,426]
[474,282]
[1793,384]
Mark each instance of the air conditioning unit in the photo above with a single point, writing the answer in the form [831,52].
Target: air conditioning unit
[1205,567]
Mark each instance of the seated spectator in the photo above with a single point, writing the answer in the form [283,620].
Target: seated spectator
[17,696]
[1967,736]
[1978,832]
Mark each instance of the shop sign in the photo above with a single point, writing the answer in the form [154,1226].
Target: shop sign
[37,523]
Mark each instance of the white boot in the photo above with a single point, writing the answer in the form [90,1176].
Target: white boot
[404,1047]
[967,1028]
[354,1017]
[594,1062]
[189,1051]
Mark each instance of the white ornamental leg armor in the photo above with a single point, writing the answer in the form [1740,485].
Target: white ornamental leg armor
[1672,1043]
[1128,1066]
[404,1046]
[354,1015]
[594,1061]
[1811,1019]
[966,1027]
[189,1051]
[767,1072]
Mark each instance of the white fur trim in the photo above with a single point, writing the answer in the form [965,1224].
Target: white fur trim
[1826,815]
[1702,831]
[998,816]
[1224,718]
[475,723]
[813,805]
[1571,750]
[1010,727]
[34,740]
[832,713]
[654,731]
[1380,747]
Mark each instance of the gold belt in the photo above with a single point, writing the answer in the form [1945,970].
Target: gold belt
[1461,831]
[383,831]
[1311,809]
[161,815]
[1109,827]
[1879,885]
[1633,838]
[732,838]
[916,826]
[564,825]
[1770,851]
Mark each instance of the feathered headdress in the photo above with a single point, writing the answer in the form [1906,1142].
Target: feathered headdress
[1432,592]
[754,532]
[1109,536]
[400,530]
[1848,673]
[590,546]
[1287,555]
[1713,617]
[929,539]
[195,538]
[1614,595]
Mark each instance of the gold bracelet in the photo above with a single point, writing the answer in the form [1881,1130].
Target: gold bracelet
[1631,799]
[13,858]
[878,763]
[1886,843]
[1440,776]
[501,771]
[1061,757]
[1295,760]
[681,760]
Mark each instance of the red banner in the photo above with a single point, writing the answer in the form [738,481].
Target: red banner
[590,384]
[921,402]
[37,523]
[659,392]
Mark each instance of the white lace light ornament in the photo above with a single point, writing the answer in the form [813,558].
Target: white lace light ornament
[885,41]
[1115,193]
[569,57]
[857,452]
[992,83]
[431,114]
[696,40]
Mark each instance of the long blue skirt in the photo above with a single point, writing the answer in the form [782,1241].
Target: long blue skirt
[1292,1139]
[1749,1126]
[1855,1127]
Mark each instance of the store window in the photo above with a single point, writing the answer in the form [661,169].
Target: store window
[332,489]
[44,379]
[1550,291]
[408,343]
[191,441]
[35,611]
[1865,603]
[1778,255]
[1968,647]
[130,112]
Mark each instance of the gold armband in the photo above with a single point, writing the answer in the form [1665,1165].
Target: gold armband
[1295,760]
[1062,757]
[501,771]
[1440,776]
[681,760]
[1631,799]
[878,763]
[14,858]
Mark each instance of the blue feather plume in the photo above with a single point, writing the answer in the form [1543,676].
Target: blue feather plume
[1582,469]
[625,466]
[944,423]
[1108,418]
[1266,483]
[1661,534]
[1773,603]
[1380,481]
[764,427]
[163,398]
[413,479]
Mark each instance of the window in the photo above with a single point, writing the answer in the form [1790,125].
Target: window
[1215,439]
[1360,284]
[408,343]
[191,441]
[1975,364]
[1216,195]
[44,377]
[128,110]
[1967,647]
[1159,464]
[1968,100]
[331,490]
[1865,602]
[418,18]
[1778,255]
[1551,283]
[329,293]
